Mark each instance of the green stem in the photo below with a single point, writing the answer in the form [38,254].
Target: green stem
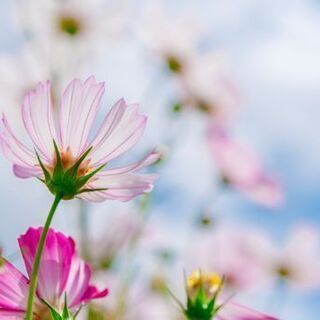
[36,263]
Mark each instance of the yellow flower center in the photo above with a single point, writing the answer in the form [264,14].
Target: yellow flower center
[68,160]
[210,282]
[69,25]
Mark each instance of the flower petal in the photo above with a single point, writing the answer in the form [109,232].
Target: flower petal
[120,131]
[7,314]
[78,281]
[266,191]
[234,311]
[78,289]
[93,293]
[55,262]
[79,107]
[37,115]
[26,172]
[149,159]
[14,149]
[121,187]
[13,288]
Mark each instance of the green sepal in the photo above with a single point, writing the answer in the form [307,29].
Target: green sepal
[66,182]
[72,172]
[58,169]
[83,180]
[92,190]
[46,173]
[66,315]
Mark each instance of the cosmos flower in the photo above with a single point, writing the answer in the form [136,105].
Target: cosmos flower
[233,257]
[69,33]
[241,168]
[204,301]
[64,158]
[207,87]
[19,74]
[62,275]
[297,261]
[173,39]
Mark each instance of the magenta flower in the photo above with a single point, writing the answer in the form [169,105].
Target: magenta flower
[64,157]
[240,167]
[62,273]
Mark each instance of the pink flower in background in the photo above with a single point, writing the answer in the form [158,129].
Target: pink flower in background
[241,168]
[297,262]
[207,86]
[231,256]
[172,38]
[69,125]
[61,273]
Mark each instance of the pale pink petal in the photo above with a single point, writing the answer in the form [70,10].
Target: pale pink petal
[121,187]
[55,262]
[120,131]
[37,115]
[13,288]
[149,159]
[7,314]
[78,281]
[26,172]
[14,150]
[234,311]
[266,191]
[235,161]
[78,289]
[243,169]
[79,107]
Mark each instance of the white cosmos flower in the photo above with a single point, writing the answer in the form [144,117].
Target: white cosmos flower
[72,31]
[172,38]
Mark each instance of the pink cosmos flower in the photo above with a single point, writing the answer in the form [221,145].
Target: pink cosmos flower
[241,168]
[233,256]
[297,261]
[62,273]
[65,158]
[207,87]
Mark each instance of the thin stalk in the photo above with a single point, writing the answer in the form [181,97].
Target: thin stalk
[84,230]
[37,260]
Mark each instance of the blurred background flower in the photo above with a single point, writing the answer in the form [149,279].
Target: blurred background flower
[231,94]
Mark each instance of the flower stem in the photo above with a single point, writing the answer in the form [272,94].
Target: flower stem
[36,263]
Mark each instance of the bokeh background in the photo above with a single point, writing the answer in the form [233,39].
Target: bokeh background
[271,49]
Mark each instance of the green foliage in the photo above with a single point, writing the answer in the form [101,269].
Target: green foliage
[95,314]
